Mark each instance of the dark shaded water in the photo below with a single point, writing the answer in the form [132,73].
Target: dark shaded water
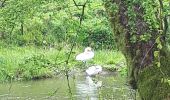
[79,87]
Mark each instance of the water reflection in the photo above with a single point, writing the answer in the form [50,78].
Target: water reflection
[88,89]
[92,82]
[79,88]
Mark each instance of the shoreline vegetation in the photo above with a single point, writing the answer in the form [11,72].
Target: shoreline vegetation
[29,62]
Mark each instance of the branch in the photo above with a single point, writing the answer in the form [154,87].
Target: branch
[81,19]
[146,54]
[77,5]
[3,3]
[82,14]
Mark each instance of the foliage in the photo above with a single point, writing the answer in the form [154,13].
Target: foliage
[48,25]
[5,71]
[34,67]
[142,25]
[99,38]
[153,13]
[23,63]
[40,22]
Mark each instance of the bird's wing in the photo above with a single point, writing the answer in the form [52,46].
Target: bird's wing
[84,56]
[80,56]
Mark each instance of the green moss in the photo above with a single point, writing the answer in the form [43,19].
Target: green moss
[149,80]
[151,86]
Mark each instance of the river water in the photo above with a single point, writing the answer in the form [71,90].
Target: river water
[78,87]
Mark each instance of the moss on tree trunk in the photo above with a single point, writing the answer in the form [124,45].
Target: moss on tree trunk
[144,72]
[152,83]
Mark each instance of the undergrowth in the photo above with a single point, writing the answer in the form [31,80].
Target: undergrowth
[25,63]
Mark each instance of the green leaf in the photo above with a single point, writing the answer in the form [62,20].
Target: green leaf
[158,40]
[156,53]
[169,82]
[158,64]
[159,46]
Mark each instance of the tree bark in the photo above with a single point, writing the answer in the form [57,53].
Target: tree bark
[141,43]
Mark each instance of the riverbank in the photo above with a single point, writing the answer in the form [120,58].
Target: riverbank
[29,62]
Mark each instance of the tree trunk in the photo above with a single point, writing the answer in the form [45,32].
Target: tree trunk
[139,35]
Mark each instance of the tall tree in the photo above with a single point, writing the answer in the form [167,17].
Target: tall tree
[140,30]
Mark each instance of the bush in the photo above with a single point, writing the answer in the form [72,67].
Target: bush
[35,67]
[99,38]
[5,73]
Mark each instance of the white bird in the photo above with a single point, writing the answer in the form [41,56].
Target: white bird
[94,70]
[86,55]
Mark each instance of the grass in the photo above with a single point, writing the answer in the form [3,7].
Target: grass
[32,62]
[108,57]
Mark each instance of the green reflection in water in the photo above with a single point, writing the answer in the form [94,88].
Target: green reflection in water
[106,87]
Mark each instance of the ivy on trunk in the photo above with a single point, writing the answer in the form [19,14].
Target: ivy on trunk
[139,27]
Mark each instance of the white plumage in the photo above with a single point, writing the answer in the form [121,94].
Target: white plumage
[94,70]
[86,55]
